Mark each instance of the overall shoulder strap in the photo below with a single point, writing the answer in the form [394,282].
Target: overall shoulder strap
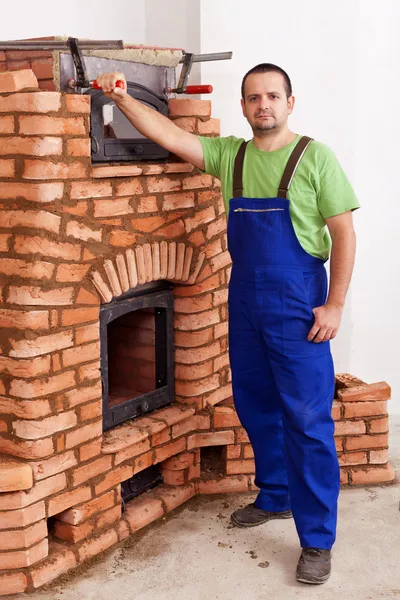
[292,164]
[238,171]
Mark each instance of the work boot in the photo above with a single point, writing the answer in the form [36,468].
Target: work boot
[251,516]
[314,566]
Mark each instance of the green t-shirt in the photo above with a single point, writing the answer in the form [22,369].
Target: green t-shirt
[319,189]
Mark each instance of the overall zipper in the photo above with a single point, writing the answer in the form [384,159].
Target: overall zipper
[256,209]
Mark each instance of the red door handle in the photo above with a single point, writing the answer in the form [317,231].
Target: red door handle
[118,84]
[198,89]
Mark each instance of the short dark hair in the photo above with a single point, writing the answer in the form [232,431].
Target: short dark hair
[269,68]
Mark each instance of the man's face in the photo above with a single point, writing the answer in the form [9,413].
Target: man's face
[265,105]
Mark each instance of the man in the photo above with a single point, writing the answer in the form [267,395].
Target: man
[283,193]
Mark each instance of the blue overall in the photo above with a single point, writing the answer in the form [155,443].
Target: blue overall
[283,385]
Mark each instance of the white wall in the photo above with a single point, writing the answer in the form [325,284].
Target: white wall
[342,57]
[96,19]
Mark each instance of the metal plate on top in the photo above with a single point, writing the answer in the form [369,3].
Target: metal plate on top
[155,78]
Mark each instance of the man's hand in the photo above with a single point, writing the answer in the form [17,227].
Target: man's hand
[107,83]
[327,323]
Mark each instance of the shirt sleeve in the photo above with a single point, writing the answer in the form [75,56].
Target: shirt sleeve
[336,195]
[212,152]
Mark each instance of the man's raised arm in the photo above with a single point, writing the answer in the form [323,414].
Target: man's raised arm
[151,123]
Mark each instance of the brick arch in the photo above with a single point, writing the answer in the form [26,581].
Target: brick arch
[171,261]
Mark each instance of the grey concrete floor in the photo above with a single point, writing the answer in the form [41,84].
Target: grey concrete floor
[195,554]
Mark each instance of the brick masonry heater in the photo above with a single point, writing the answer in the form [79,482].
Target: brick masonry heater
[114,287]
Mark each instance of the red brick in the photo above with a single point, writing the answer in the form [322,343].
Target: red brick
[44,125]
[161,437]
[111,479]
[197,181]
[82,395]
[173,498]
[379,425]
[142,511]
[220,330]
[86,297]
[41,345]
[12,519]
[224,416]
[220,261]
[143,462]
[7,168]
[109,517]
[189,108]
[41,169]
[82,232]
[64,501]
[34,192]
[170,449]
[178,201]
[67,273]
[97,545]
[78,103]
[57,564]
[78,147]
[40,490]
[197,321]
[349,427]
[25,409]
[26,270]
[378,457]
[42,387]
[374,391]
[23,538]
[30,218]
[248,451]
[46,247]
[353,458]
[200,218]
[90,450]
[113,207]
[193,339]
[183,428]
[57,464]
[89,372]
[240,467]
[13,584]
[221,438]
[33,146]
[90,411]
[365,442]
[209,127]
[344,477]
[7,124]
[173,477]
[24,558]
[130,187]
[27,449]
[132,451]
[81,354]
[14,476]
[79,209]
[223,486]
[179,462]
[32,430]
[83,434]
[147,204]
[196,388]
[86,472]
[336,411]
[365,409]
[31,102]
[76,316]
[25,368]
[163,184]
[75,516]
[17,80]
[373,475]
[43,68]
[221,394]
